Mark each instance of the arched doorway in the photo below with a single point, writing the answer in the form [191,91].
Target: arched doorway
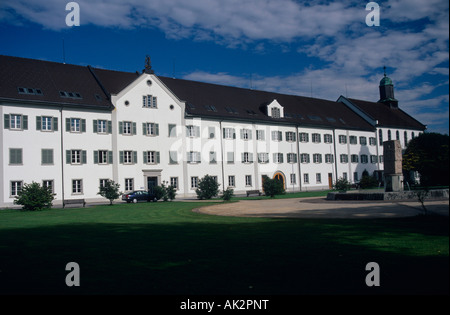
[280,177]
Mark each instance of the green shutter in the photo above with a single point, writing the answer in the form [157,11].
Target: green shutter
[145,157]
[156,129]
[144,129]
[68,156]
[95,157]
[109,126]
[110,157]
[158,158]
[134,157]
[55,123]
[121,157]
[67,124]
[25,122]
[95,126]
[134,128]
[83,125]
[6,121]
[120,127]
[38,122]
[83,157]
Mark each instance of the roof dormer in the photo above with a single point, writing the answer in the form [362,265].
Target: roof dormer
[275,110]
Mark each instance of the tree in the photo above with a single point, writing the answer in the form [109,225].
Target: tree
[367,181]
[342,184]
[207,187]
[110,190]
[34,197]
[272,187]
[428,154]
[227,194]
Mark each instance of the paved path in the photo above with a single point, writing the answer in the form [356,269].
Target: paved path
[320,208]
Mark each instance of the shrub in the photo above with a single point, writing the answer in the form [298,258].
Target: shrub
[34,197]
[207,188]
[159,192]
[110,190]
[342,184]
[171,192]
[272,187]
[368,181]
[227,194]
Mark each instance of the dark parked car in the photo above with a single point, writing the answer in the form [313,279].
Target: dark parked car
[138,195]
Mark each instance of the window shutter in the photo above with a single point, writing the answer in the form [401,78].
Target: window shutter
[222,129]
[95,157]
[156,129]
[250,157]
[242,157]
[250,135]
[83,125]
[68,156]
[144,129]
[145,156]
[55,123]
[242,133]
[158,158]
[83,157]
[109,126]
[234,134]
[95,125]
[67,124]
[121,157]
[6,121]
[197,131]
[134,157]
[198,157]
[295,158]
[134,128]
[121,128]
[25,122]
[110,157]
[38,122]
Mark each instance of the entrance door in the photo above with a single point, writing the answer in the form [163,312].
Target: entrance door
[279,177]
[330,180]
[151,183]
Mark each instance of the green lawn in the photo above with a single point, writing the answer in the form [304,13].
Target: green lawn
[165,248]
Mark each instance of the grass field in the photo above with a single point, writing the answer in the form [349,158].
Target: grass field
[165,248]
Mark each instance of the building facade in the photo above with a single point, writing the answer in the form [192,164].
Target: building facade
[72,127]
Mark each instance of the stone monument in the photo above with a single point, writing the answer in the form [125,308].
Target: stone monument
[393,174]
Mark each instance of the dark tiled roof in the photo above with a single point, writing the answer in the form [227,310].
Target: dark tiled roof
[388,117]
[115,81]
[245,104]
[49,78]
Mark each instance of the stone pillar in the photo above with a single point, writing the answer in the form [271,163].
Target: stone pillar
[393,175]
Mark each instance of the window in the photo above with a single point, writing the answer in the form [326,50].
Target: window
[248,180]
[230,157]
[212,157]
[397,135]
[290,136]
[149,101]
[405,137]
[76,125]
[231,181]
[344,175]
[412,135]
[103,157]
[317,158]
[354,158]
[373,159]
[46,123]
[16,187]
[15,156]
[304,158]
[16,122]
[260,135]
[49,185]
[128,157]
[318,178]
[342,139]
[32,91]
[373,141]
[344,158]
[277,135]
[231,110]
[355,176]
[76,157]
[194,182]
[278,158]
[306,178]
[151,157]
[77,186]
[275,112]
[229,133]
[246,134]
[329,158]
[315,137]
[47,156]
[127,128]
[193,157]
[380,159]
[362,140]
[150,129]
[192,131]
[174,182]
[389,135]
[292,158]
[129,184]
[102,182]
[293,179]
[327,138]
[364,158]
[247,157]
[263,158]
[173,157]
[353,140]
[380,136]
[102,126]
[303,137]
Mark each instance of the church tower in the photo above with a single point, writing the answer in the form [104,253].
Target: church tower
[387,92]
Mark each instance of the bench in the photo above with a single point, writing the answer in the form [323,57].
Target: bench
[253,192]
[74,202]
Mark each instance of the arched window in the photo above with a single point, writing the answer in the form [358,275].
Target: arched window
[380,136]
[405,136]
[389,135]
[397,135]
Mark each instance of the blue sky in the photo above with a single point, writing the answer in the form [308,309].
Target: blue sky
[313,48]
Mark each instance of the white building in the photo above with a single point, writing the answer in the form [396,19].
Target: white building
[72,127]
